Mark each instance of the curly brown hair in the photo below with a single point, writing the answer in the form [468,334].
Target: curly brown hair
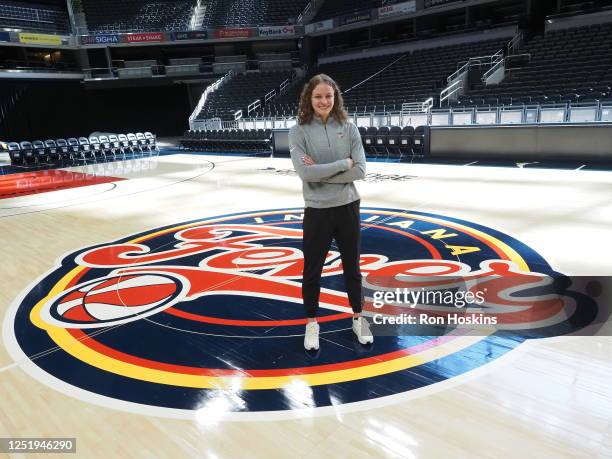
[305,110]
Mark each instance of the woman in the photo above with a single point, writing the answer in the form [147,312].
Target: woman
[328,156]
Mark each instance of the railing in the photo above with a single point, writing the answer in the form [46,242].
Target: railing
[451,90]
[462,67]
[211,88]
[479,61]
[22,13]
[100,73]
[305,12]
[230,125]
[269,96]
[14,69]
[143,71]
[417,107]
[253,106]
[515,44]
[498,59]
[505,114]
[496,65]
[195,16]
[308,12]
[283,86]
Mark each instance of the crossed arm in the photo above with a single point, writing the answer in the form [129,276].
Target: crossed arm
[341,171]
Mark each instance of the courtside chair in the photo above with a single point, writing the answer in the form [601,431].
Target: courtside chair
[94,145]
[40,151]
[406,138]
[418,144]
[64,150]
[86,148]
[107,146]
[370,140]
[115,146]
[27,151]
[393,142]
[124,145]
[14,151]
[133,142]
[75,151]
[52,151]
[381,142]
[151,140]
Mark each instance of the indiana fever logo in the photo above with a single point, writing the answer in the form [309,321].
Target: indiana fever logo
[205,318]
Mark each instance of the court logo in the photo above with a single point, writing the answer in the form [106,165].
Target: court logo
[204,319]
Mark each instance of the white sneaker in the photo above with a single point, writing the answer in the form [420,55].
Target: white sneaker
[361,328]
[311,337]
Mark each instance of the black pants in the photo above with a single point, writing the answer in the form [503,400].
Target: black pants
[320,227]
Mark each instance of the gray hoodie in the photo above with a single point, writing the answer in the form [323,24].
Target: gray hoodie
[328,182]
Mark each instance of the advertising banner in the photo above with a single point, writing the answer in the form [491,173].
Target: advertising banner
[320,26]
[145,37]
[40,39]
[193,35]
[398,8]
[233,33]
[358,16]
[434,3]
[277,31]
[100,39]
[5,36]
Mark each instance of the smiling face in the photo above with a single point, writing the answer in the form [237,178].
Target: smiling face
[322,100]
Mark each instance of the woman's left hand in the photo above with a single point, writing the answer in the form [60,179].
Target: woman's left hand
[307,160]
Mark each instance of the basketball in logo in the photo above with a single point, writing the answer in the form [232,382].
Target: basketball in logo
[180,320]
[114,300]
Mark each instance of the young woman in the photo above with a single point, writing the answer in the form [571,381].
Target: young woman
[328,156]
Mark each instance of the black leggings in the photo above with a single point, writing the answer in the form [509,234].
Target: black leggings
[320,226]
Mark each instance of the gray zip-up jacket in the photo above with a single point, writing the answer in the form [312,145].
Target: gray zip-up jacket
[328,182]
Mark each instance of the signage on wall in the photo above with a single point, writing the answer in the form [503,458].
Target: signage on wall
[398,8]
[233,33]
[145,37]
[193,35]
[327,24]
[100,39]
[40,39]
[277,31]
[358,16]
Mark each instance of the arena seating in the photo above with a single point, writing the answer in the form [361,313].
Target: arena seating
[232,140]
[31,16]
[239,92]
[252,12]
[434,3]
[577,6]
[74,150]
[573,65]
[137,15]
[380,143]
[332,8]
[411,78]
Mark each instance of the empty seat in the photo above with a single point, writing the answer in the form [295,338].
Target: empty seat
[14,151]
[63,149]
[52,150]
[370,140]
[27,151]
[393,142]
[40,151]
